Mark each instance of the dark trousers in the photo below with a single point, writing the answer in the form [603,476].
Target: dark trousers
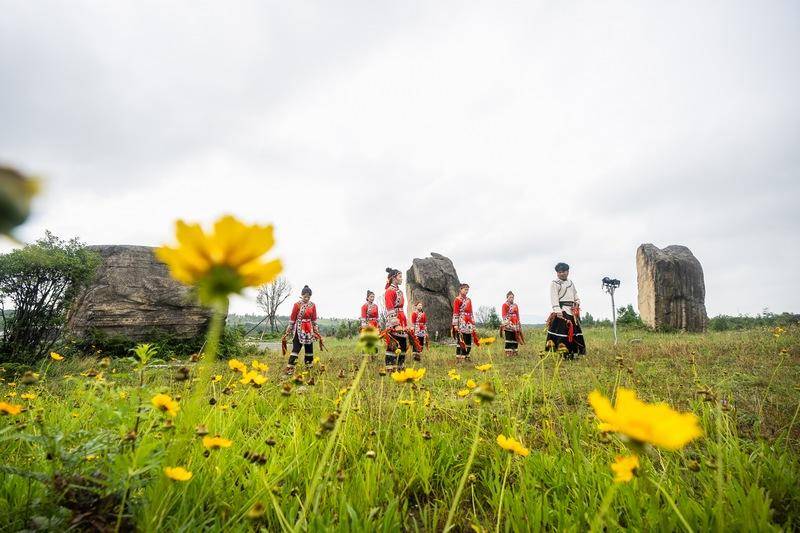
[401,342]
[511,340]
[296,345]
[467,339]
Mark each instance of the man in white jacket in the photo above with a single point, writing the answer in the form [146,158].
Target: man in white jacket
[564,332]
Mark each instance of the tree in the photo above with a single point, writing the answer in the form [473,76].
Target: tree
[271,296]
[628,316]
[493,320]
[40,282]
[487,316]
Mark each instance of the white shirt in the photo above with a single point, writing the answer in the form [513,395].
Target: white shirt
[563,291]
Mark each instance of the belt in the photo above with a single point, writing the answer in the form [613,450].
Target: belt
[566,304]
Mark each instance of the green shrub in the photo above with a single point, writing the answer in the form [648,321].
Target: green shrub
[40,281]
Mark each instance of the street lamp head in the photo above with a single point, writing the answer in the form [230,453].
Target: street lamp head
[610,283]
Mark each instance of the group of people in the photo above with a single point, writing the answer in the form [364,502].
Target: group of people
[563,324]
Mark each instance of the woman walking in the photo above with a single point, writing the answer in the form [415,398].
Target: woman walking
[420,322]
[396,333]
[511,327]
[303,328]
[369,312]
[463,328]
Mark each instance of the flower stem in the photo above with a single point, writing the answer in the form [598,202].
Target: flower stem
[597,523]
[311,495]
[464,476]
[674,507]
[502,492]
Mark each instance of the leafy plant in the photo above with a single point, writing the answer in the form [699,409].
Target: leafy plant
[40,282]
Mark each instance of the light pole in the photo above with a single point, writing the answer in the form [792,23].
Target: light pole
[610,285]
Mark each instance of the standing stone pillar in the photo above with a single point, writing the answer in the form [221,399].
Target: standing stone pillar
[672,290]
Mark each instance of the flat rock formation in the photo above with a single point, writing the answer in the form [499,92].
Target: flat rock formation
[672,291]
[434,282]
[134,296]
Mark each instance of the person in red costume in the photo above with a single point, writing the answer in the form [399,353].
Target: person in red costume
[369,312]
[396,333]
[463,329]
[303,328]
[420,323]
[511,327]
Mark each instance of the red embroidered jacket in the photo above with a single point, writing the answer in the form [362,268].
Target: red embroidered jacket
[394,301]
[420,322]
[510,314]
[303,321]
[369,315]
[462,315]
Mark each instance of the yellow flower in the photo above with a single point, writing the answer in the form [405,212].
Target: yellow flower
[253,377]
[28,396]
[511,445]
[166,404]
[406,402]
[214,443]
[778,331]
[235,364]
[453,374]
[471,384]
[463,392]
[16,192]
[483,368]
[10,409]
[223,262]
[56,357]
[260,366]
[177,473]
[427,400]
[657,424]
[408,375]
[623,468]
[217,378]
[486,341]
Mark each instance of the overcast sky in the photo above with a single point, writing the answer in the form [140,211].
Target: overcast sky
[505,136]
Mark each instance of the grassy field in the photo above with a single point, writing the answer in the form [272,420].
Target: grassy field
[395,456]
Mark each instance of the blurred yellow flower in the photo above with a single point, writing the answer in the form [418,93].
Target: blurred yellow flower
[453,374]
[486,341]
[253,377]
[217,378]
[235,364]
[177,473]
[483,368]
[223,262]
[778,331]
[408,375]
[406,402]
[164,403]
[16,192]
[216,442]
[471,384]
[10,408]
[28,396]
[260,366]
[623,468]
[463,392]
[511,445]
[368,340]
[657,424]
[55,356]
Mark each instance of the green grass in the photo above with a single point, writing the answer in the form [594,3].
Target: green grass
[742,475]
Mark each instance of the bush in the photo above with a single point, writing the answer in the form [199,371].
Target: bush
[41,282]
[347,329]
[627,316]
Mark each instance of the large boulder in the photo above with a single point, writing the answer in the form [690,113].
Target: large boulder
[434,282]
[133,295]
[672,290]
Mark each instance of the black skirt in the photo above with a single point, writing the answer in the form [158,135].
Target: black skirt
[565,332]
[511,340]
